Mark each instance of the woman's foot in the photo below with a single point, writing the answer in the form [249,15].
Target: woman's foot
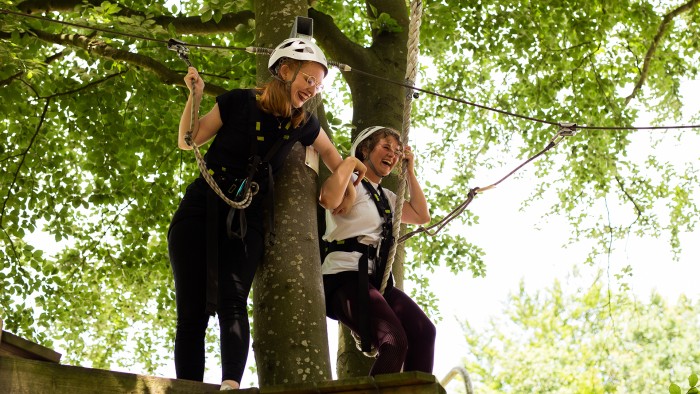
[229,385]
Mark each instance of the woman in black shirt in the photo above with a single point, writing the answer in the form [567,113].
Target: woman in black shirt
[207,238]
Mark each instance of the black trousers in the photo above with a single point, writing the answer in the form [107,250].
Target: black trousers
[237,265]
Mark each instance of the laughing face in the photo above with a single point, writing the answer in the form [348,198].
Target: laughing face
[307,83]
[383,158]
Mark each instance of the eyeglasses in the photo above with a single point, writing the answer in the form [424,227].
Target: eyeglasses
[397,152]
[311,81]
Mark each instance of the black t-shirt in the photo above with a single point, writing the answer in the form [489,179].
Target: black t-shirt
[231,148]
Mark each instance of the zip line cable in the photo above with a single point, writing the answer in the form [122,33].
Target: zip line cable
[347,68]
[563,133]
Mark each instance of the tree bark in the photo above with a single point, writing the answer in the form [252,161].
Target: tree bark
[290,338]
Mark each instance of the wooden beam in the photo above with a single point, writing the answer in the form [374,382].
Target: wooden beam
[13,346]
[398,383]
[20,376]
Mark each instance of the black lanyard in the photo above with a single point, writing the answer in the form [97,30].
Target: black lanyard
[384,209]
[382,204]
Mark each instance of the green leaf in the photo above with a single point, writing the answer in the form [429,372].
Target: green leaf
[693,380]
[693,390]
[207,15]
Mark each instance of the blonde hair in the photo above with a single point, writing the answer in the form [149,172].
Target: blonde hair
[274,96]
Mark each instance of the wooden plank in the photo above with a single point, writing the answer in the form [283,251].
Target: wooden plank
[14,346]
[20,376]
[399,383]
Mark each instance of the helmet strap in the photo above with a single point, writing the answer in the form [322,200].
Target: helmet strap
[288,84]
[369,164]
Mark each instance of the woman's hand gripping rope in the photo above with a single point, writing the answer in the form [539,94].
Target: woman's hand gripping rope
[196,86]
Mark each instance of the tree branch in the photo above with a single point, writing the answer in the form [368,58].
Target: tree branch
[183,25]
[629,197]
[335,44]
[665,23]
[86,86]
[23,155]
[100,48]
[48,60]
[194,24]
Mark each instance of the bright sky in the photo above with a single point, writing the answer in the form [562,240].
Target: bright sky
[524,246]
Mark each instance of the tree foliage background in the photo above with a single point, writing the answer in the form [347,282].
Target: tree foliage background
[592,340]
[90,116]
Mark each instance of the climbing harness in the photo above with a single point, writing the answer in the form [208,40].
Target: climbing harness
[378,254]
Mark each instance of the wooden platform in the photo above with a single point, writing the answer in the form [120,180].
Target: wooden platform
[21,376]
[29,368]
[404,383]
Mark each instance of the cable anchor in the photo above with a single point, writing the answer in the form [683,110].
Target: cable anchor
[567,129]
[181,48]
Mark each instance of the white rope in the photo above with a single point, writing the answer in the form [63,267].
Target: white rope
[413,33]
[411,70]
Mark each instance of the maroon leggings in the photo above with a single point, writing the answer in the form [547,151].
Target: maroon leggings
[401,332]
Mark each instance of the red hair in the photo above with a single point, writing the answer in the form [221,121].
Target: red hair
[274,96]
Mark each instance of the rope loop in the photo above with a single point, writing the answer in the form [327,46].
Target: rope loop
[250,192]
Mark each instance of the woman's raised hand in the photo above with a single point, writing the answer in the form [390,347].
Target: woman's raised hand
[194,82]
[409,157]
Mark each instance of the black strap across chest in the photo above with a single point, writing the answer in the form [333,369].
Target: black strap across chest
[255,163]
[382,204]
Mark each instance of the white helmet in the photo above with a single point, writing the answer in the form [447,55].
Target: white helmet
[364,134]
[299,49]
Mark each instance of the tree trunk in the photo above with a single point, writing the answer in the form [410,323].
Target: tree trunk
[290,335]
[290,338]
